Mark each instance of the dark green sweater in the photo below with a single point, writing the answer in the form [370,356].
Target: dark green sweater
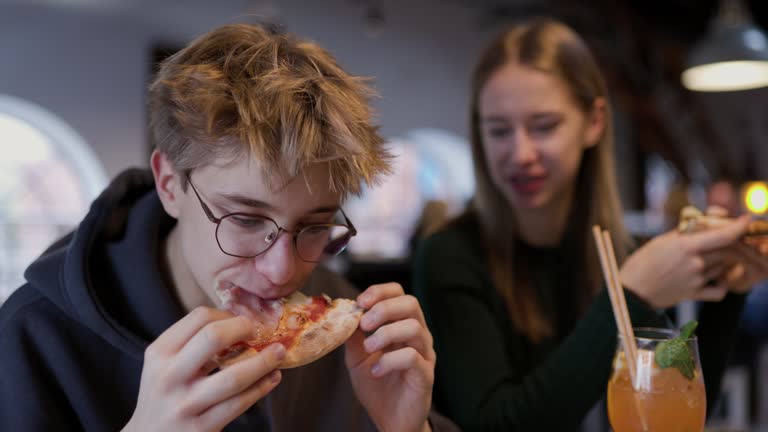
[490,377]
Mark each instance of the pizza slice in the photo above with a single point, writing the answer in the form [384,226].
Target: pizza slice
[308,327]
[692,219]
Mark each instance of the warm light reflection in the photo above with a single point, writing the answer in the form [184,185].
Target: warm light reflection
[756,197]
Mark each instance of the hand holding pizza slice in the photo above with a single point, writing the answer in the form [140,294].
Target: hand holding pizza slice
[749,255]
[391,359]
[389,354]
[692,220]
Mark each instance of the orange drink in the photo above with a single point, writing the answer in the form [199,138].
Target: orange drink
[662,399]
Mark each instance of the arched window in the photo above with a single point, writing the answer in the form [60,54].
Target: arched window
[432,166]
[48,177]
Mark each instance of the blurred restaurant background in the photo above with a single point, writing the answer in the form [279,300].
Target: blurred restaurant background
[73,77]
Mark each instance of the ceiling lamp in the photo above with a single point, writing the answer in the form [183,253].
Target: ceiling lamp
[732,56]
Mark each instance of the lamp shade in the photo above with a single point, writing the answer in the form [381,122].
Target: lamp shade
[730,58]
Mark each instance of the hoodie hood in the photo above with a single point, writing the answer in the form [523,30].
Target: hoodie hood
[107,274]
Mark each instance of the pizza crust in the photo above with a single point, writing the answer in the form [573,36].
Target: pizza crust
[324,336]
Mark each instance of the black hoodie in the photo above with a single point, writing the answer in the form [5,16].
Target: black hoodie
[73,337]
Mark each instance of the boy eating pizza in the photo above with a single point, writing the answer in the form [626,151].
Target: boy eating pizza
[259,138]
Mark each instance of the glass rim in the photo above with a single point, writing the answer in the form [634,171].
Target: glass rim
[656,334]
[279,228]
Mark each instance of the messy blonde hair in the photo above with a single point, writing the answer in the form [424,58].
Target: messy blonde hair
[244,90]
[550,47]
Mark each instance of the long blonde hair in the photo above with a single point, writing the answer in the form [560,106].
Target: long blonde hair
[553,48]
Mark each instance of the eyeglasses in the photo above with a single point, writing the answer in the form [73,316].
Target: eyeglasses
[245,235]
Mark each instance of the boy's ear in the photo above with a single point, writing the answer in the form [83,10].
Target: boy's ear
[167,183]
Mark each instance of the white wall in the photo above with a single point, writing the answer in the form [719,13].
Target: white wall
[88,64]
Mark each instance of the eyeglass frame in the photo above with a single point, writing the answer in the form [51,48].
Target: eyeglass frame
[217,221]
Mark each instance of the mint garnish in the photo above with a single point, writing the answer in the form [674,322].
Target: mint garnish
[675,352]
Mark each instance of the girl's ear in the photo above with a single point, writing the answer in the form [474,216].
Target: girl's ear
[596,125]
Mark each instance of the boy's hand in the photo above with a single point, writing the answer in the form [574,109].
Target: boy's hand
[177,392]
[393,369]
